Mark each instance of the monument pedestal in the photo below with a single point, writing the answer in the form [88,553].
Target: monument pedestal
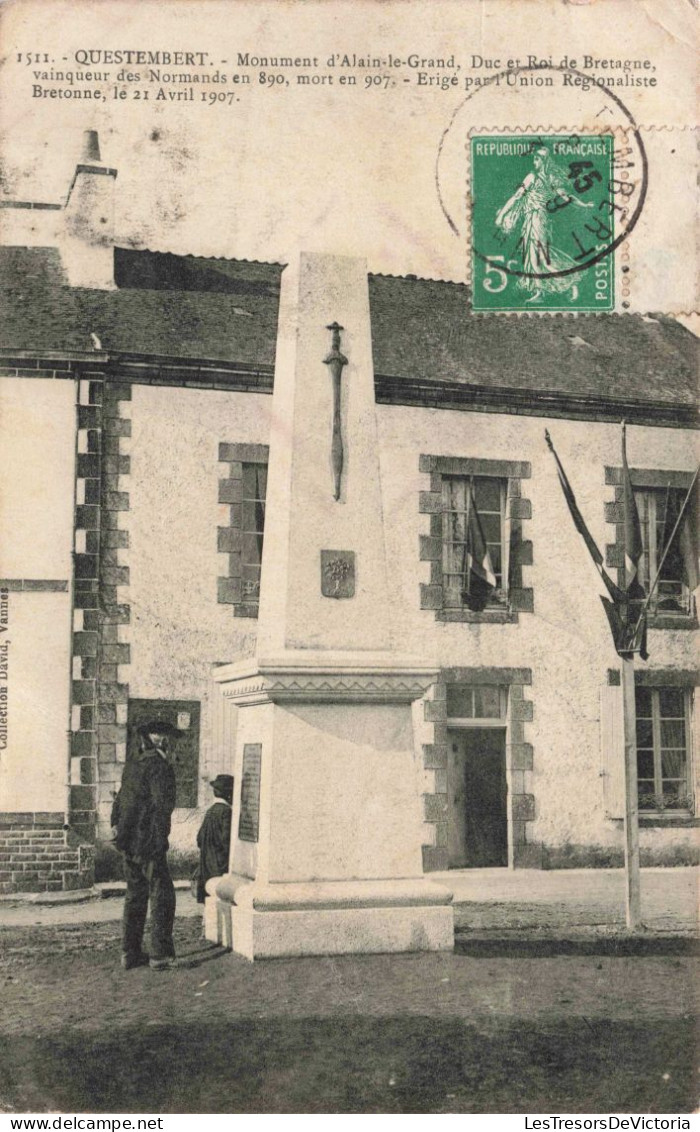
[326,829]
[269,921]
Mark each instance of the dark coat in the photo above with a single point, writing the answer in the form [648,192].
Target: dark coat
[214,838]
[143,807]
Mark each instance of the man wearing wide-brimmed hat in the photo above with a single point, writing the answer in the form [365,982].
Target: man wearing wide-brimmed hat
[214,837]
[141,814]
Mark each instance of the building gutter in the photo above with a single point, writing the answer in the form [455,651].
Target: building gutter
[242,377]
[437,394]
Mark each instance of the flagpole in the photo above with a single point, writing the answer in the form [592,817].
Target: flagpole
[619,612]
[633,903]
[632,873]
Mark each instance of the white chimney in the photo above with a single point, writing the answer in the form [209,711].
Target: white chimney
[87,244]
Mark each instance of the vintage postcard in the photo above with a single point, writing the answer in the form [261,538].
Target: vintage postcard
[348,558]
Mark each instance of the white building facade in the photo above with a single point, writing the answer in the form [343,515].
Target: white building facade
[240,502]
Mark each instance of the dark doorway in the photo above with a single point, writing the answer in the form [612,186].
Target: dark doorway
[477,819]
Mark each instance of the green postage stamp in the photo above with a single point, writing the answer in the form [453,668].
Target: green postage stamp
[542,222]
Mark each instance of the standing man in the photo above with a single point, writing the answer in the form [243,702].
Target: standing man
[141,814]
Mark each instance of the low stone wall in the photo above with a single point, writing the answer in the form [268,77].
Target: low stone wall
[38,855]
[109,863]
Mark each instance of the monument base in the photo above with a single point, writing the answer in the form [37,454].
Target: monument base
[217,915]
[332,918]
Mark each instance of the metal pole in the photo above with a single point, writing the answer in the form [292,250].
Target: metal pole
[633,910]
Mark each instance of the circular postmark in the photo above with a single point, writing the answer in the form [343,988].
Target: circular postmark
[545,204]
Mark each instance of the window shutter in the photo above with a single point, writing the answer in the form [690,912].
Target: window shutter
[612,741]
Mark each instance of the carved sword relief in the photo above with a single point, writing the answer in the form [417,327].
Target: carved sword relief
[336,361]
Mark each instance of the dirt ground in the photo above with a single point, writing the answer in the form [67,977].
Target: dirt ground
[500,1025]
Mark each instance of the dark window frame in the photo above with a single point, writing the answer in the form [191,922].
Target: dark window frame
[450,547]
[652,507]
[514,598]
[652,773]
[645,480]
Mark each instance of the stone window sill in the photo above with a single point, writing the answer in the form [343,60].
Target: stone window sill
[485,617]
[672,621]
[666,821]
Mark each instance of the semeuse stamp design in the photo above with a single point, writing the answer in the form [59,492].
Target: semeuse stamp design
[543,221]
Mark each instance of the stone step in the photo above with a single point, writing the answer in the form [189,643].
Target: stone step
[77,896]
[109,888]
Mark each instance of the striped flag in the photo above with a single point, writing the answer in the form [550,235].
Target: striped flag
[579,522]
[632,612]
[634,547]
[625,612]
[477,568]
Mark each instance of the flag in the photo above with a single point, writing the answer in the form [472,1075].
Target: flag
[680,537]
[477,569]
[626,613]
[579,523]
[628,626]
[635,622]
[634,547]
[633,609]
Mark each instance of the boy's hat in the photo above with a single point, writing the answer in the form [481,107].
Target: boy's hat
[159,727]
[223,783]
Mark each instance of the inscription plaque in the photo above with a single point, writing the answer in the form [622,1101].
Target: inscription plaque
[249,820]
[338,573]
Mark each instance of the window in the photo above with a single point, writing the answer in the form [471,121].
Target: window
[242,507]
[254,486]
[477,702]
[663,732]
[475,506]
[658,511]
[462,495]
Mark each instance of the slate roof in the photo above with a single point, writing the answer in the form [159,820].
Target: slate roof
[226,310]
[420,329]
[177,306]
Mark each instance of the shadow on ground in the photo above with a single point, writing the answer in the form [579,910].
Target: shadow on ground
[348,1064]
[519,947]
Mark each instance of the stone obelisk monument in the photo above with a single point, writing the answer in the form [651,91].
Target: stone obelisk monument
[326,832]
